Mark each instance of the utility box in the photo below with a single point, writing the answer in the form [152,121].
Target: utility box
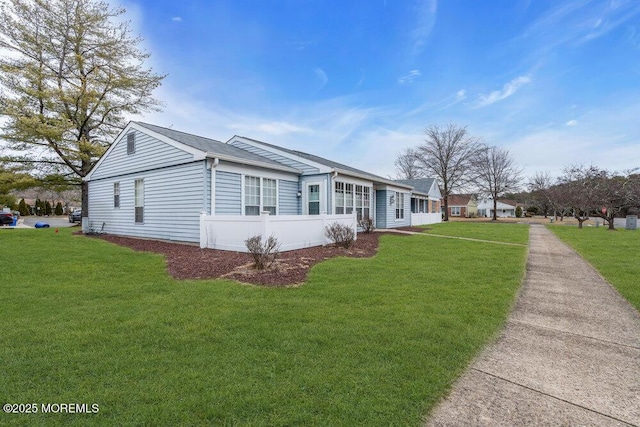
[632,222]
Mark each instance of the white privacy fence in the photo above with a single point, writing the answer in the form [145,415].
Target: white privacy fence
[425,218]
[228,232]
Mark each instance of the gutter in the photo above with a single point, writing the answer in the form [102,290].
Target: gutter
[257,163]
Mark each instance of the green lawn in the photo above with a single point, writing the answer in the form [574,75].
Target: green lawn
[503,232]
[364,342]
[613,253]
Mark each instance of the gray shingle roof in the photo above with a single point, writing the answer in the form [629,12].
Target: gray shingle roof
[420,185]
[209,145]
[323,161]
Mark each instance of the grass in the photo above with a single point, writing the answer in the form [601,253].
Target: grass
[493,231]
[364,342]
[613,253]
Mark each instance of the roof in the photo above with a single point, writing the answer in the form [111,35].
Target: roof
[459,199]
[210,145]
[326,162]
[420,185]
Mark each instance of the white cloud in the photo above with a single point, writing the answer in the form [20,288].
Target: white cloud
[507,90]
[426,18]
[322,77]
[571,123]
[409,78]
[177,19]
[280,128]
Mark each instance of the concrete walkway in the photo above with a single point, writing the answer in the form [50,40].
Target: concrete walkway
[569,353]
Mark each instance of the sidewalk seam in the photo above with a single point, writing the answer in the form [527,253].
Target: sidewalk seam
[552,396]
[572,333]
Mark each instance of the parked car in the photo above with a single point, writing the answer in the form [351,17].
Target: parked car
[6,218]
[75,216]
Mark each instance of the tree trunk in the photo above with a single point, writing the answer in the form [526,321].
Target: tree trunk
[611,222]
[85,206]
[495,209]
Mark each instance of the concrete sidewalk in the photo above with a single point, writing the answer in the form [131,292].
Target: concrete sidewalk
[569,353]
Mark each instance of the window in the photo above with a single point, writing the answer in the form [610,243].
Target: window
[260,195]
[366,202]
[314,199]
[455,210]
[139,200]
[269,195]
[339,198]
[251,195]
[399,205]
[116,194]
[350,197]
[131,143]
[434,206]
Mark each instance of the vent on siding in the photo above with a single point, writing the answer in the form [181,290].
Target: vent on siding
[131,143]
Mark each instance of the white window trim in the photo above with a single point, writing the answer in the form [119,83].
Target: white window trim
[354,183]
[305,196]
[135,201]
[261,178]
[404,206]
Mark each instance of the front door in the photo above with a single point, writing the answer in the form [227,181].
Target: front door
[313,199]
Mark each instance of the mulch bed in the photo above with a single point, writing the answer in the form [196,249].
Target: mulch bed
[190,262]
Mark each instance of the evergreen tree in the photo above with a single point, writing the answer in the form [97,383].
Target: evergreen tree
[23,208]
[58,210]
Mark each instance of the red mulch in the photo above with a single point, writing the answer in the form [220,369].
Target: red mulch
[191,262]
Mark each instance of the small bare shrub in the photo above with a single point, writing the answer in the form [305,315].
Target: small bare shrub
[341,235]
[263,253]
[366,223]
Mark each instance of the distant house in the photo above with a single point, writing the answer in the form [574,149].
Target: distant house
[463,205]
[159,183]
[505,208]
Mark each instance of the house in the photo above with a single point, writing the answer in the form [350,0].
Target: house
[463,205]
[155,182]
[505,208]
[425,200]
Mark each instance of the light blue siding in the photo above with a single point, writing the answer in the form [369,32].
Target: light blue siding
[150,153]
[276,157]
[289,202]
[386,212]
[381,212]
[228,193]
[173,201]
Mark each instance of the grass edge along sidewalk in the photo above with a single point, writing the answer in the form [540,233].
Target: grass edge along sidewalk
[364,341]
[613,253]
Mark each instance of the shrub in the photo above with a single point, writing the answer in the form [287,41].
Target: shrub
[58,210]
[518,212]
[341,235]
[366,223]
[263,253]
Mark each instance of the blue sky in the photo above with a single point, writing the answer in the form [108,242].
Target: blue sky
[555,82]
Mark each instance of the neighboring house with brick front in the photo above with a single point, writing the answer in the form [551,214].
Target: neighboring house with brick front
[462,205]
[159,183]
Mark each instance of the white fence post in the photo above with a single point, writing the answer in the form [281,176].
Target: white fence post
[265,229]
[324,227]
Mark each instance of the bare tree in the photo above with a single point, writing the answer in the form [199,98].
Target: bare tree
[448,153]
[580,191]
[540,185]
[407,166]
[495,173]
